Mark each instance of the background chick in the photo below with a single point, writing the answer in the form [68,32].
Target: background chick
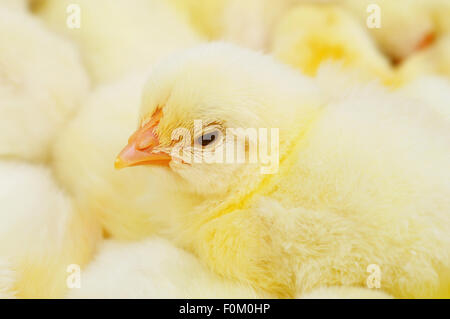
[203,15]
[363,178]
[129,204]
[153,268]
[121,36]
[406,25]
[248,23]
[312,34]
[41,233]
[41,83]
[434,60]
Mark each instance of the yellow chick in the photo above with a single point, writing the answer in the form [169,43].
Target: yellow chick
[311,34]
[153,268]
[42,233]
[400,27]
[248,23]
[42,82]
[434,60]
[83,158]
[121,36]
[203,15]
[362,180]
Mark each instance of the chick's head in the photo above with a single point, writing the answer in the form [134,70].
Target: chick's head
[200,105]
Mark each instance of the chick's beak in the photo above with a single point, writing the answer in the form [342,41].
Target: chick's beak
[141,147]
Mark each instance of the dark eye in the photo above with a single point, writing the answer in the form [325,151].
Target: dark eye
[208,138]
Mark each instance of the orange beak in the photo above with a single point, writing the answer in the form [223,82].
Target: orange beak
[141,147]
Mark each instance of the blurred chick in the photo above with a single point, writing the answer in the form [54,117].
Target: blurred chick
[83,162]
[41,83]
[435,60]
[204,15]
[362,178]
[153,268]
[41,232]
[248,23]
[405,25]
[312,34]
[120,36]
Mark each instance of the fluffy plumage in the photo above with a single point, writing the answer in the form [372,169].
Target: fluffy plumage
[121,36]
[363,178]
[41,233]
[433,91]
[311,34]
[130,204]
[41,83]
[153,268]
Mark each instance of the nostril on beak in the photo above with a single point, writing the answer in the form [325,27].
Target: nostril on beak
[147,140]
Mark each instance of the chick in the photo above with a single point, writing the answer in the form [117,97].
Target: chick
[121,36]
[312,34]
[83,158]
[248,23]
[41,233]
[41,83]
[362,179]
[153,268]
[435,60]
[203,15]
[405,25]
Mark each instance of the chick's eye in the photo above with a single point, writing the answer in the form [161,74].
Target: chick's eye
[208,138]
